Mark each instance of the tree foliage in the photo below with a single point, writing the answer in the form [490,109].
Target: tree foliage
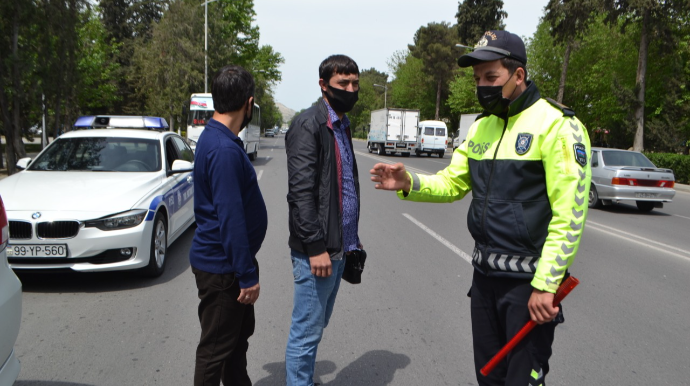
[603,90]
[370,98]
[478,16]
[433,44]
[412,88]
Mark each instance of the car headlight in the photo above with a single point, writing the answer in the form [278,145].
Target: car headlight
[120,221]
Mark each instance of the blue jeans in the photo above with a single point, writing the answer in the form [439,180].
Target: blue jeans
[312,308]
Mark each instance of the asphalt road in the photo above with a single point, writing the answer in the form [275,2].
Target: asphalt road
[406,324]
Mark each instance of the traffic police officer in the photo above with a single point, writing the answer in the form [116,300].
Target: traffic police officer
[525,161]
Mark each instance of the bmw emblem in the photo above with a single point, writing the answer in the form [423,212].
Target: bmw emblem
[36,215]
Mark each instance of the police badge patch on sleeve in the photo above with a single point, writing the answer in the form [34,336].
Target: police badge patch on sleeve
[523,143]
[580,154]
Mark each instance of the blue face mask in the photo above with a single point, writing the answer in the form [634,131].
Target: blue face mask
[491,98]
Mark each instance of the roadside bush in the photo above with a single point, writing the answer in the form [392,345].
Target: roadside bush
[679,163]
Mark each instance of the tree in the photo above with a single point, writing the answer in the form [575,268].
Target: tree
[129,24]
[434,44]
[569,20]
[604,90]
[370,98]
[411,88]
[463,98]
[169,66]
[656,20]
[166,67]
[97,89]
[478,16]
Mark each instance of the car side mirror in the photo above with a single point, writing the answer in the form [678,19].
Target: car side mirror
[23,163]
[180,166]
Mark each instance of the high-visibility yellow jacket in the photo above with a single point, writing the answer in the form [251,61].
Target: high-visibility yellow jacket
[530,176]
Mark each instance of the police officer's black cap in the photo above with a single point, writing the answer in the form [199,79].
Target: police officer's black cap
[495,45]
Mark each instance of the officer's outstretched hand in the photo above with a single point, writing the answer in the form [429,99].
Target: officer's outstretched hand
[541,308]
[391,177]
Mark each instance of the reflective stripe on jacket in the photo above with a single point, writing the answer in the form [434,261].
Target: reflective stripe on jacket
[530,178]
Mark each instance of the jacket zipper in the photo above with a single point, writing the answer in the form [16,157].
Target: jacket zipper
[488,191]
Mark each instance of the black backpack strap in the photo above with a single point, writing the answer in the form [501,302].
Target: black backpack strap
[567,111]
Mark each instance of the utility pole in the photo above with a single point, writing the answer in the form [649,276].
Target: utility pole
[205,4]
[385,92]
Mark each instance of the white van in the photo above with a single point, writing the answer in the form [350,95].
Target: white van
[432,137]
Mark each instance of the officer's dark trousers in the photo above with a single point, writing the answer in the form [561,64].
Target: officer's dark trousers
[226,325]
[499,310]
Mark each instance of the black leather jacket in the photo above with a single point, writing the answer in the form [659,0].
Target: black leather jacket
[315,218]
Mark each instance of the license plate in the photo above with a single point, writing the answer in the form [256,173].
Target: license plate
[400,145]
[646,195]
[43,250]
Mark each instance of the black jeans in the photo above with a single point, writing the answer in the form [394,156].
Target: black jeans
[499,311]
[226,326]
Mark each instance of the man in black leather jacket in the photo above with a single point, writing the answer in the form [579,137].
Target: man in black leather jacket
[323,199]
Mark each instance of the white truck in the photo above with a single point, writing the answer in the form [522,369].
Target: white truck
[201,111]
[393,130]
[466,120]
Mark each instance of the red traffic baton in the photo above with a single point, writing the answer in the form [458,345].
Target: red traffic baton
[563,291]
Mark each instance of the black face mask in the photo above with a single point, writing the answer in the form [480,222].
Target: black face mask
[491,98]
[247,119]
[340,100]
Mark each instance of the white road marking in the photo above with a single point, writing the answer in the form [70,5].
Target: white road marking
[258,176]
[677,215]
[440,238]
[381,159]
[665,248]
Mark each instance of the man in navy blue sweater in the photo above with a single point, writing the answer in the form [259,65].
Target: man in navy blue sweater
[231,225]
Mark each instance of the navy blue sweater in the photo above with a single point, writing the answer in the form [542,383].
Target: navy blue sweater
[229,208]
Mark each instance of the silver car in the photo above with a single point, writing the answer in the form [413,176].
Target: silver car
[10,309]
[620,175]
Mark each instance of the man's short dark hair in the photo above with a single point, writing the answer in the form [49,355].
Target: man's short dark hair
[512,64]
[231,88]
[337,64]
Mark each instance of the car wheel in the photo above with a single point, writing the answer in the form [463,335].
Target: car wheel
[369,147]
[253,155]
[440,155]
[645,206]
[159,246]
[417,153]
[594,201]
[406,154]
[381,150]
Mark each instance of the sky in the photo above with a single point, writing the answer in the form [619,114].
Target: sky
[305,32]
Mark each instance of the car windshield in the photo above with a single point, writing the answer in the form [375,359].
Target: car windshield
[626,158]
[100,154]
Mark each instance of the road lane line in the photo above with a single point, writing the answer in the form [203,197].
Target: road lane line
[636,237]
[638,240]
[381,159]
[677,215]
[440,238]
[258,176]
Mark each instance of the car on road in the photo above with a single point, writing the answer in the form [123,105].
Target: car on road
[284,130]
[623,175]
[110,195]
[270,133]
[10,309]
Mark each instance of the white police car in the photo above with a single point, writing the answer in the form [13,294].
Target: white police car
[110,198]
